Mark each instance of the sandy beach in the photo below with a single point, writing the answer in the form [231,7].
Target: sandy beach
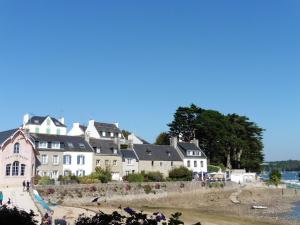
[212,207]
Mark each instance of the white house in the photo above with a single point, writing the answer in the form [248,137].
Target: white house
[105,131]
[193,157]
[129,162]
[132,138]
[77,130]
[44,125]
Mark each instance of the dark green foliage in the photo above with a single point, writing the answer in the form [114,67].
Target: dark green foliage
[125,133]
[289,165]
[16,217]
[181,174]
[134,177]
[153,176]
[275,177]
[211,168]
[231,140]
[104,175]
[163,139]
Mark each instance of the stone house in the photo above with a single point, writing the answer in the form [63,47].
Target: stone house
[129,162]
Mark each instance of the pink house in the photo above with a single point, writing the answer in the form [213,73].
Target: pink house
[17,157]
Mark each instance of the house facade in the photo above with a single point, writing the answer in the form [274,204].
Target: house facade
[17,157]
[107,155]
[152,158]
[77,130]
[44,125]
[129,162]
[132,138]
[105,131]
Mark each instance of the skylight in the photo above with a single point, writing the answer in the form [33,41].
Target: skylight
[81,145]
[70,145]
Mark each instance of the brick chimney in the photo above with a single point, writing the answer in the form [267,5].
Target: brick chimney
[174,142]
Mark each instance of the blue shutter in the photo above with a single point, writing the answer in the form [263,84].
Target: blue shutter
[70,157]
[78,159]
[76,172]
[83,159]
[64,159]
[83,173]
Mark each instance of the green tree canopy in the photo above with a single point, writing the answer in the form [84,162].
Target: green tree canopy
[163,139]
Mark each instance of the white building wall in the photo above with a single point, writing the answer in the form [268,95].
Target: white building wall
[75,130]
[91,130]
[73,167]
[134,139]
[198,168]
[130,167]
[43,128]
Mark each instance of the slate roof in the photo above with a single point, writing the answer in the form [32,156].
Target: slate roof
[75,141]
[6,134]
[107,147]
[83,128]
[38,120]
[106,127]
[156,152]
[185,146]
[126,153]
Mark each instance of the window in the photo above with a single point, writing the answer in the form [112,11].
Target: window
[43,144]
[152,163]
[62,145]
[48,130]
[81,145]
[17,148]
[8,166]
[189,153]
[15,168]
[160,164]
[44,159]
[194,153]
[201,162]
[80,160]
[106,162]
[112,134]
[22,169]
[172,163]
[103,134]
[127,173]
[98,161]
[129,161]
[67,159]
[70,145]
[58,131]
[195,163]
[120,135]
[115,151]
[55,145]
[48,121]
[98,150]
[55,160]
[37,130]
[188,163]
[115,162]
[54,174]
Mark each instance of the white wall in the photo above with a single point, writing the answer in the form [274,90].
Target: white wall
[92,131]
[129,167]
[44,126]
[243,178]
[134,139]
[75,130]
[87,167]
[198,168]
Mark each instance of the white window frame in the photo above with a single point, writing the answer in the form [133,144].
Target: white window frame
[55,145]
[55,159]
[43,144]
[44,159]
[129,162]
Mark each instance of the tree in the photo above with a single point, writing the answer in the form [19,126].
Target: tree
[15,216]
[275,177]
[230,140]
[125,133]
[163,139]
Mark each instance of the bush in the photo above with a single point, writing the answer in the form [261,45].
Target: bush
[36,179]
[88,180]
[213,169]
[103,175]
[16,217]
[134,177]
[181,174]
[153,176]
[275,177]
[45,181]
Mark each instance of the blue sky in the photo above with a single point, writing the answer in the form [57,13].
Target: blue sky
[135,62]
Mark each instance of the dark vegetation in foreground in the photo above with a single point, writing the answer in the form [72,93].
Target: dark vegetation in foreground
[20,217]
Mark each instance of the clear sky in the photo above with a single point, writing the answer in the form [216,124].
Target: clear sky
[135,62]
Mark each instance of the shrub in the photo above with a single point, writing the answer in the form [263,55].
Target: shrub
[213,169]
[147,189]
[275,177]
[36,179]
[87,180]
[153,176]
[15,216]
[135,177]
[104,175]
[45,181]
[181,174]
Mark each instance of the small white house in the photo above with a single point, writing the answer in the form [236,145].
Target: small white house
[44,125]
[77,130]
[241,176]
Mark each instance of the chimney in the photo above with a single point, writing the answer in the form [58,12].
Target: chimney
[25,119]
[117,125]
[87,136]
[117,142]
[173,142]
[62,120]
[130,144]
[195,142]
[76,125]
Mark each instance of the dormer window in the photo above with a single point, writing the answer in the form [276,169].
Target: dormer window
[115,151]
[111,134]
[98,150]
[70,145]
[103,133]
[55,145]
[81,145]
[169,154]
[36,121]
[43,144]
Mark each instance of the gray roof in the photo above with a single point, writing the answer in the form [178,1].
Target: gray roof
[69,143]
[156,152]
[6,134]
[82,127]
[128,154]
[185,146]
[107,147]
[107,127]
[38,120]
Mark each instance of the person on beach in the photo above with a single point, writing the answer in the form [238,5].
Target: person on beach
[24,185]
[28,185]
[1,197]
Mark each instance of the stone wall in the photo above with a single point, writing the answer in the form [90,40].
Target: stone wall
[83,194]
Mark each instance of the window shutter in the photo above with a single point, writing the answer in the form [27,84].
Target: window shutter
[78,159]
[64,159]
[83,159]
[83,173]
[76,172]
[70,157]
